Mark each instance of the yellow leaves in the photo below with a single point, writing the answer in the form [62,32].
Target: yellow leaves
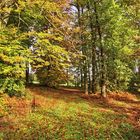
[19,73]
[77,30]
[46,37]
[38,66]
[21,3]
[46,6]
[9,34]
[51,6]
[5,10]
[39,63]
[5,58]
[20,6]
[12,59]
[59,38]
[19,59]
[3,110]
[127,51]
[113,2]
[46,63]
[39,60]
[43,41]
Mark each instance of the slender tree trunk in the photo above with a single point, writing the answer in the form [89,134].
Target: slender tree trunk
[84,52]
[67,77]
[85,77]
[81,74]
[93,43]
[85,71]
[79,24]
[89,79]
[103,73]
[27,73]
[102,55]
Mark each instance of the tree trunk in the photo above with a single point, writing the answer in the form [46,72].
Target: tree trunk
[85,78]
[81,74]
[93,44]
[27,73]
[85,71]
[89,79]
[102,55]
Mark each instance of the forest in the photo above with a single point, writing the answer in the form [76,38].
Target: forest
[69,69]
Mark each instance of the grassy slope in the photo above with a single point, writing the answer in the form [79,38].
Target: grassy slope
[66,114]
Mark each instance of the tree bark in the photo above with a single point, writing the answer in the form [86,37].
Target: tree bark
[93,44]
[27,73]
[102,55]
[85,77]
[89,79]
[85,71]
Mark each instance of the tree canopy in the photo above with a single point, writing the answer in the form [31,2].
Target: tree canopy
[86,43]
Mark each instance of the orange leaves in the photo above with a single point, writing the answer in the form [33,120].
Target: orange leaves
[17,106]
[123,96]
[62,114]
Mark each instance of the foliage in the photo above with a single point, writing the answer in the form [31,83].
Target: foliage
[49,60]
[13,55]
[96,39]
[31,38]
[107,32]
[135,83]
[3,107]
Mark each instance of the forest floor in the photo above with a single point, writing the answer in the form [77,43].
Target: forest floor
[68,114]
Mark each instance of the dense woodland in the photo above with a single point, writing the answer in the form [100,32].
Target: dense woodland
[90,45]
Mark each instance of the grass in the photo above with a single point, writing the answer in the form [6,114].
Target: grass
[65,115]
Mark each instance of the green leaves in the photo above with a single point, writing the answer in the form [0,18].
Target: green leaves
[49,59]
[30,36]
[13,55]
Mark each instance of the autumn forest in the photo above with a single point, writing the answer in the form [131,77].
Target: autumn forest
[69,69]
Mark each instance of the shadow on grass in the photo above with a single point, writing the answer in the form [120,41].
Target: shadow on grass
[75,96]
[72,119]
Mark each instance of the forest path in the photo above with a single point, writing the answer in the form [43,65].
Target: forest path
[70,111]
[128,105]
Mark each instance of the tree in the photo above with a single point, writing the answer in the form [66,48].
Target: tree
[36,36]
[107,31]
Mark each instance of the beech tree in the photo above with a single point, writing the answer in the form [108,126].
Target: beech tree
[32,32]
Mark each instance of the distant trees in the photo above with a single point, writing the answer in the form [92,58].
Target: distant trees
[107,42]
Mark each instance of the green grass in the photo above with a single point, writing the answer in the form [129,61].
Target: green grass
[68,120]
